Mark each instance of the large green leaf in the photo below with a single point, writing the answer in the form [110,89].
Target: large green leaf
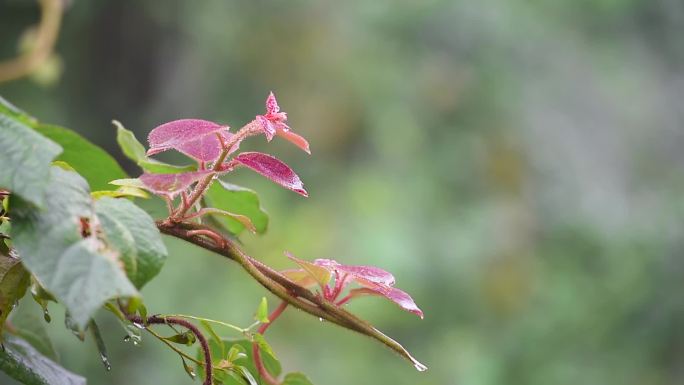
[133,233]
[59,245]
[89,160]
[14,280]
[238,200]
[25,158]
[135,151]
[25,364]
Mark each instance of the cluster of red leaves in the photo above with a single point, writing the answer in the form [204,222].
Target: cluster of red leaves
[204,142]
[333,278]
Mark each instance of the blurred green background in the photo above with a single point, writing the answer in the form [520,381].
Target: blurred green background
[516,164]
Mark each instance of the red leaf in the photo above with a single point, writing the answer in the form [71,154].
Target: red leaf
[171,184]
[369,273]
[273,169]
[206,148]
[185,134]
[395,295]
[295,139]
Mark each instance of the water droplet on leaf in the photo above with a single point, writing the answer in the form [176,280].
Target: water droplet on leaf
[127,338]
[105,362]
[46,315]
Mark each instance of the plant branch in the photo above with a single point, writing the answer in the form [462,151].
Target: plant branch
[156,319]
[46,36]
[282,287]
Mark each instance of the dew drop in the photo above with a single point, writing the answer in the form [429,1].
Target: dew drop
[139,326]
[127,338]
[321,319]
[136,342]
[420,367]
[46,315]
[105,362]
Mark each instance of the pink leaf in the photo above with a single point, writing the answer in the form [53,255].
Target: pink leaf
[273,169]
[272,106]
[395,295]
[183,132]
[370,273]
[206,148]
[295,139]
[274,123]
[171,184]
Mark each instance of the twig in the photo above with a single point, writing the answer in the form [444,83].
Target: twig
[46,36]
[156,319]
[284,288]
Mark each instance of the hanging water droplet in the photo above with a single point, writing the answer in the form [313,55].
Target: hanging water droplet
[105,362]
[127,338]
[188,369]
[321,319]
[419,367]
[46,315]
[136,342]
[15,304]
[139,326]
[192,374]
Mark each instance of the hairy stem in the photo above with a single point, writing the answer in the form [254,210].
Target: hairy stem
[256,352]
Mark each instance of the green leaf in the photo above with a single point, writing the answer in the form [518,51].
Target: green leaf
[132,232]
[26,365]
[261,314]
[121,192]
[135,151]
[28,320]
[243,346]
[61,249]
[186,338]
[14,280]
[99,342]
[89,160]
[25,158]
[263,345]
[238,200]
[296,378]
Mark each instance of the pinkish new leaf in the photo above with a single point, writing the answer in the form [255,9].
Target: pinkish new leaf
[273,169]
[194,137]
[395,295]
[171,184]
[373,281]
[274,123]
